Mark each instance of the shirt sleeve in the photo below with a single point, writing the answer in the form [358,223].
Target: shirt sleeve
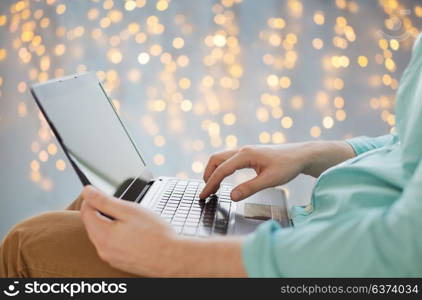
[363,144]
[376,242]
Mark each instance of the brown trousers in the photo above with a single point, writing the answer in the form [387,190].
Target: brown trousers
[53,244]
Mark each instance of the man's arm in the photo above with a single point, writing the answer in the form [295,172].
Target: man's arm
[140,242]
[274,165]
[326,154]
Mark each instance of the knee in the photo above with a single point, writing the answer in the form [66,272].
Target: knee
[22,242]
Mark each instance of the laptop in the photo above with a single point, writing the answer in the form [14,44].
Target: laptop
[102,153]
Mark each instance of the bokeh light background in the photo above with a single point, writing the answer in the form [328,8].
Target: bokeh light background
[194,77]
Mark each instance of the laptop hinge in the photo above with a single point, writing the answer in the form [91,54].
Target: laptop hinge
[144,191]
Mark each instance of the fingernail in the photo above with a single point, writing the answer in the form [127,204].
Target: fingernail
[236,195]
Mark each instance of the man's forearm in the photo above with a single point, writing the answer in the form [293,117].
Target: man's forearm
[322,155]
[212,257]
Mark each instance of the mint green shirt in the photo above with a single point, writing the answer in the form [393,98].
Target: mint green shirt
[365,216]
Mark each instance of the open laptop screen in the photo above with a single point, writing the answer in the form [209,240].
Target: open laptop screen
[91,132]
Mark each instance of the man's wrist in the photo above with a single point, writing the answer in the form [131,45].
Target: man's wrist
[321,155]
[197,257]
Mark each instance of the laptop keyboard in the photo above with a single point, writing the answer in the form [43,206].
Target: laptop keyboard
[181,207]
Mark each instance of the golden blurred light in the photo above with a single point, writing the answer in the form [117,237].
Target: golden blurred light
[35,166]
[328,122]
[159,105]
[61,9]
[295,8]
[143,58]
[213,129]
[60,165]
[262,114]
[105,22]
[130,5]
[315,131]
[208,81]
[162,5]
[183,60]
[27,36]
[133,28]
[386,79]
[155,50]
[3,20]
[342,4]
[390,65]
[178,43]
[362,61]
[340,115]
[297,102]
[35,147]
[184,83]
[108,4]
[159,159]
[285,82]
[35,176]
[93,14]
[140,38]
[418,11]
[274,40]
[52,149]
[22,87]
[114,55]
[197,167]
[45,63]
[276,23]
[394,44]
[115,16]
[264,137]
[159,141]
[223,61]
[134,75]
[231,141]
[186,105]
[22,111]
[383,44]
[46,184]
[229,119]
[319,18]
[272,80]
[286,122]
[338,102]
[96,33]
[219,40]
[340,42]
[338,83]
[278,138]
[43,156]
[322,99]
[3,54]
[317,43]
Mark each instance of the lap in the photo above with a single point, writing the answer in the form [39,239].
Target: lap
[55,244]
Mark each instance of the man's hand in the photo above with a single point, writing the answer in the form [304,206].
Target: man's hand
[140,242]
[136,241]
[274,165]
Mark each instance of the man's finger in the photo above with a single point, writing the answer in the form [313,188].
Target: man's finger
[250,187]
[228,167]
[115,208]
[215,161]
[97,226]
